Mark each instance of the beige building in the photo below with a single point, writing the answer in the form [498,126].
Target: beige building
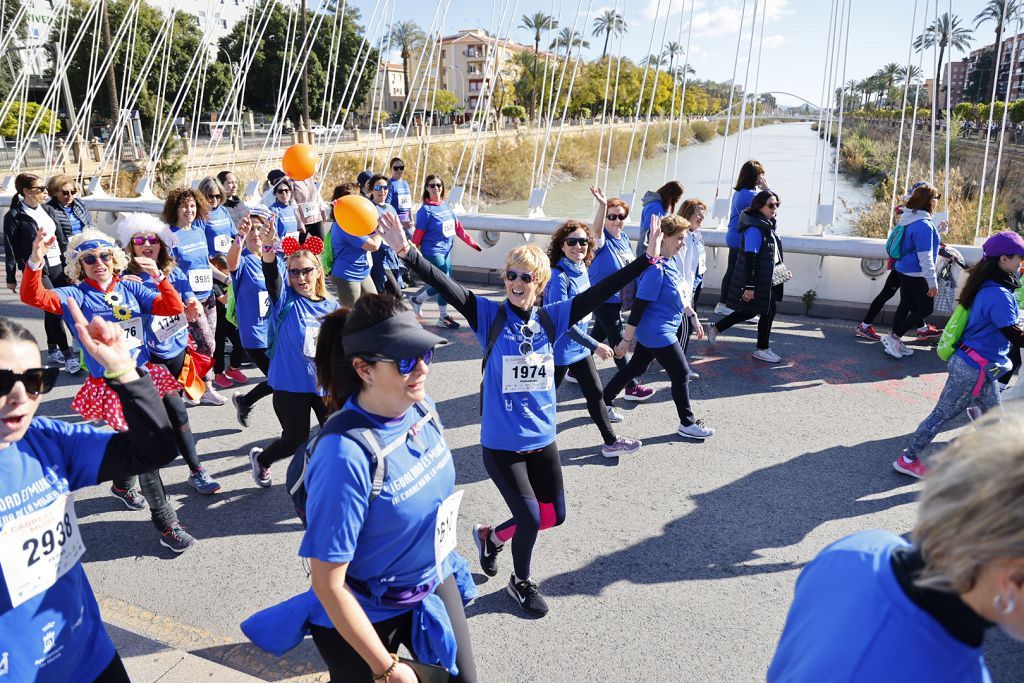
[388,94]
[464,66]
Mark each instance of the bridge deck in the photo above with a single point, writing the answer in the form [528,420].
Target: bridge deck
[676,564]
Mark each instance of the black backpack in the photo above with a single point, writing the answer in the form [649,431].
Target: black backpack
[357,427]
[500,318]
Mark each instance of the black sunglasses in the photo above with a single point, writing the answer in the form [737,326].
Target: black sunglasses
[69,192]
[91,259]
[577,241]
[214,196]
[435,185]
[296,272]
[283,189]
[512,275]
[405,365]
[36,380]
[398,168]
[773,205]
[616,216]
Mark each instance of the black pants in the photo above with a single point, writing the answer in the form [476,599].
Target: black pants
[346,666]
[889,289]
[531,484]
[114,673]
[729,268]
[312,230]
[1015,363]
[262,361]
[915,305]
[184,439]
[152,487]
[53,325]
[764,323]
[608,326]
[292,410]
[670,358]
[585,373]
[226,331]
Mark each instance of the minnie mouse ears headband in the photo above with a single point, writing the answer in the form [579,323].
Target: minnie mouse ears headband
[314,245]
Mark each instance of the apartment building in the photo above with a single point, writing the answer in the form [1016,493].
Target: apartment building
[955,83]
[1015,81]
[388,94]
[469,60]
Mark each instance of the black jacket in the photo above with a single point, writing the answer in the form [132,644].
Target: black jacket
[19,234]
[754,269]
[60,217]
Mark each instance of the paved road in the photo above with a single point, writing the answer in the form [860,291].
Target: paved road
[676,564]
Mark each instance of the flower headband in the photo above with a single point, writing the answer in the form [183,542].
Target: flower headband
[290,245]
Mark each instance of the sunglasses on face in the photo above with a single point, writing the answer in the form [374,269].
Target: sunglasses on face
[773,205]
[214,196]
[91,259]
[282,189]
[577,241]
[379,188]
[398,168]
[513,275]
[152,239]
[70,193]
[435,186]
[616,216]
[405,365]
[36,380]
[301,272]
[36,189]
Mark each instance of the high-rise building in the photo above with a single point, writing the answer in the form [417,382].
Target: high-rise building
[954,84]
[470,59]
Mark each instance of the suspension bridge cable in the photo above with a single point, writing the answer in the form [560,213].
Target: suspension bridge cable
[732,95]
[650,105]
[743,105]
[819,150]
[842,95]
[988,132]
[903,109]
[639,102]
[1002,127]
[682,101]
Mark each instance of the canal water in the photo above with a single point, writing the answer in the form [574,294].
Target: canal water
[786,150]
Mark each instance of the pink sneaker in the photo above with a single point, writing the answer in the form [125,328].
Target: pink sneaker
[913,468]
[638,393]
[223,381]
[237,375]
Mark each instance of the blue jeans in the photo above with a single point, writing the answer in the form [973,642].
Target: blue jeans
[955,397]
[442,263]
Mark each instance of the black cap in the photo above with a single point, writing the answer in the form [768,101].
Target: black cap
[400,336]
[274,176]
[363,177]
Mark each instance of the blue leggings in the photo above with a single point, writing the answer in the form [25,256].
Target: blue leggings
[531,484]
[444,264]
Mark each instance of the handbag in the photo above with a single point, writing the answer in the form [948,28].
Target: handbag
[780,274]
[426,673]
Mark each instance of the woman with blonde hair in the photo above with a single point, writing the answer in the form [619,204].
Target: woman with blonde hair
[919,611]
[517,427]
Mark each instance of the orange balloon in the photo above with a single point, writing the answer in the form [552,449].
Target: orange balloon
[356,215]
[299,162]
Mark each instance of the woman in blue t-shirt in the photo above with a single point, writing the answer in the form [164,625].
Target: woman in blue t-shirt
[296,308]
[656,204]
[569,254]
[385,270]
[749,182]
[982,353]
[517,428]
[653,327]
[287,223]
[399,194]
[42,462]
[352,255]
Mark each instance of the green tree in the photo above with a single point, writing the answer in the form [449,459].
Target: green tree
[538,22]
[406,37]
[568,40]
[48,125]
[998,12]
[608,22]
[888,74]
[445,101]
[515,111]
[968,111]
[947,33]
[1016,111]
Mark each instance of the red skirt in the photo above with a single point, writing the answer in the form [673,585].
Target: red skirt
[97,401]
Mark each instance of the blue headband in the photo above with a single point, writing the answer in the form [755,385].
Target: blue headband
[89,245]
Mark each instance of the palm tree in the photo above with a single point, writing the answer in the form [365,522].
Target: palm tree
[406,36]
[538,22]
[946,32]
[680,71]
[888,74]
[652,60]
[999,12]
[901,75]
[672,50]
[852,87]
[608,23]
[568,39]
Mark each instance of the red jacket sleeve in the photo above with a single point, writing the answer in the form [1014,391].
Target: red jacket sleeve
[465,236]
[35,295]
[167,302]
[417,236]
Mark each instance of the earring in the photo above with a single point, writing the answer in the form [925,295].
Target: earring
[1004,605]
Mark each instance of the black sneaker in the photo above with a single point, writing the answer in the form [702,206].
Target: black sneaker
[448,322]
[241,409]
[527,595]
[177,539]
[487,549]
[132,499]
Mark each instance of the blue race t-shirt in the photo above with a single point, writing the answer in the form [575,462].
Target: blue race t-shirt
[664,314]
[55,632]
[286,222]
[851,621]
[351,261]
[193,257]
[400,199]
[741,200]
[167,335]
[76,222]
[919,236]
[615,254]
[994,307]
[568,280]
[519,382]
[389,543]
[252,302]
[298,319]
[220,230]
[437,221]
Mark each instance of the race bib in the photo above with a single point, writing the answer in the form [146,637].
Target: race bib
[444,529]
[309,344]
[404,201]
[448,227]
[309,211]
[264,304]
[132,330]
[166,326]
[53,255]
[221,243]
[38,549]
[535,372]
[201,280]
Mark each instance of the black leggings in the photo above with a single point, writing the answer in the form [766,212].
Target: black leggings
[262,361]
[312,230]
[225,330]
[727,280]
[915,305]
[669,357]
[531,484]
[585,373]
[152,487]
[608,325]
[53,325]
[889,289]
[114,673]
[346,666]
[184,439]
[764,323]
[292,410]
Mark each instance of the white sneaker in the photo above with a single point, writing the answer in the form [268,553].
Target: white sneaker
[892,346]
[260,474]
[695,431]
[767,355]
[722,309]
[72,365]
[614,416]
[417,306]
[55,357]
[905,350]
[212,398]
[712,334]
[570,379]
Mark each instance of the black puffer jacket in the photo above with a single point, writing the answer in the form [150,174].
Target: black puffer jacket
[754,269]
[19,234]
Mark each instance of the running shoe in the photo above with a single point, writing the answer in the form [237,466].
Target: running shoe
[767,355]
[212,398]
[417,306]
[692,375]
[712,334]
[912,468]
[177,539]
[570,378]
[697,430]
[892,346]
[242,409]
[486,549]
[202,481]
[72,365]
[614,416]
[260,474]
[928,333]
[722,309]
[237,375]
[638,392]
[448,322]
[867,332]
[905,350]
[526,594]
[55,357]
[223,381]
[622,446]
[131,498]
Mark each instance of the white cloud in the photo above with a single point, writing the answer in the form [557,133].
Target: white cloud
[774,41]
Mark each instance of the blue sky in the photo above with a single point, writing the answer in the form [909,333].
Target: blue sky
[795,35]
